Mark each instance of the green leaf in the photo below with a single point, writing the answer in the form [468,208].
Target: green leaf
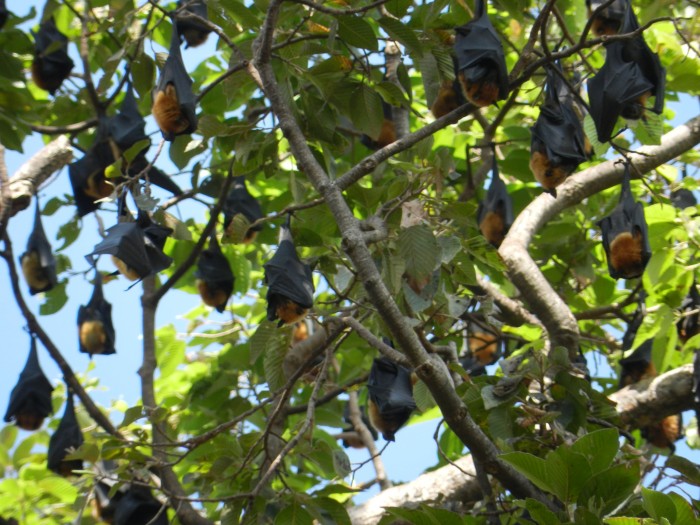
[261,338]
[420,250]
[658,505]
[294,514]
[684,512]
[274,358]
[170,352]
[689,470]
[422,396]
[398,31]
[68,232]
[533,468]
[341,463]
[540,513]
[598,447]
[54,299]
[599,149]
[609,488]
[355,31]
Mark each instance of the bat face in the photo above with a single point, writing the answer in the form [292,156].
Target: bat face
[215,279]
[38,263]
[50,67]
[193,32]
[630,75]
[390,397]
[290,285]
[95,329]
[30,399]
[66,438]
[495,212]
[173,100]
[481,60]
[625,236]
[139,507]
[240,201]
[609,19]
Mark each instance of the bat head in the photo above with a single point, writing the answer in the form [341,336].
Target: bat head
[66,438]
[607,20]
[30,399]
[192,31]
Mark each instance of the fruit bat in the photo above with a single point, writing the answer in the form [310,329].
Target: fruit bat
[67,436]
[630,75]
[625,236]
[95,329]
[51,64]
[495,212]
[689,324]
[139,507]
[449,95]
[356,442]
[387,133]
[558,141]
[639,364]
[290,291]
[214,276]
[30,399]
[484,346]
[390,397]
[192,32]
[4,13]
[104,505]
[173,100]
[127,127]
[664,433]
[683,198]
[38,262]
[240,201]
[481,61]
[87,180]
[608,20]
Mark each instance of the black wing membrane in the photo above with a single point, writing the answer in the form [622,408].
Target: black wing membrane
[390,396]
[290,283]
[139,507]
[240,201]
[625,235]
[38,262]
[95,328]
[67,436]
[193,32]
[215,278]
[51,64]
[30,399]
[495,212]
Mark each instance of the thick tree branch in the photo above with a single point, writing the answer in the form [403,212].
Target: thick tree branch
[431,370]
[544,302]
[25,182]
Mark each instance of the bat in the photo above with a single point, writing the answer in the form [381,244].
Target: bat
[481,61]
[192,31]
[390,400]
[387,133]
[558,145]
[214,276]
[51,64]
[290,292]
[483,346]
[630,75]
[240,202]
[104,506]
[67,437]
[625,235]
[95,329]
[155,236]
[683,198]
[608,20]
[173,100]
[10,521]
[37,261]
[127,127]
[495,212]
[637,366]
[449,95]
[689,324]
[88,182]
[355,441]
[30,399]
[139,507]
[664,433]
[4,13]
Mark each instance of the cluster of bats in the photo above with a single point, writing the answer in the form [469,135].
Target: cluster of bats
[631,75]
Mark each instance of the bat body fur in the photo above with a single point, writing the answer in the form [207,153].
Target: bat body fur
[483,346]
[387,426]
[289,312]
[49,83]
[93,336]
[626,254]
[166,110]
[493,228]
[97,187]
[447,100]
[664,433]
[211,296]
[480,85]
[28,421]
[194,37]
[35,275]
[124,269]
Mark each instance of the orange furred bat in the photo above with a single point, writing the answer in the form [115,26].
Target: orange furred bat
[67,437]
[480,85]
[449,97]
[387,133]
[95,329]
[495,212]
[607,20]
[38,262]
[192,31]
[166,111]
[390,402]
[215,279]
[126,270]
[664,433]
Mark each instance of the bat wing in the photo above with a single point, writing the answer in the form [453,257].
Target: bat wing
[139,506]
[4,13]
[497,199]
[390,389]
[476,42]
[127,127]
[32,393]
[126,241]
[67,435]
[286,275]
[186,25]
[79,173]
[174,73]
[616,84]
[558,129]
[213,267]
[155,175]
[239,200]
